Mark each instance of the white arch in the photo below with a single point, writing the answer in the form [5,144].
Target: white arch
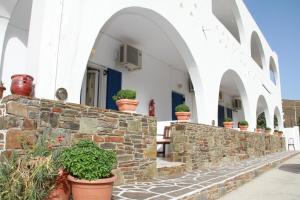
[279,117]
[262,107]
[273,71]
[173,35]
[257,51]
[234,77]
[228,14]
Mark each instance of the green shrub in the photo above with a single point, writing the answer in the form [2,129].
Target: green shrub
[258,126]
[85,160]
[125,94]
[182,108]
[243,123]
[31,175]
[227,119]
[268,129]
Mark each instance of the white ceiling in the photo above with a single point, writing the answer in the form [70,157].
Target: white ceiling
[141,32]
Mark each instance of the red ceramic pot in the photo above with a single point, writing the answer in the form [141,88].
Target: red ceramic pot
[21,84]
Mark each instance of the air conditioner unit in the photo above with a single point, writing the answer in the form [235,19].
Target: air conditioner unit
[191,86]
[130,57]
[237,104]
[221,96]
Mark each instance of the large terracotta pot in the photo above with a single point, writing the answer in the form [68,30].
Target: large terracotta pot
[183,116]
[92,190]
[2,88]
[127,105]
[243,128]
[21,84]
[228,124]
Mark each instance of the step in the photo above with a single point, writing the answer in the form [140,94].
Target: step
[168,168]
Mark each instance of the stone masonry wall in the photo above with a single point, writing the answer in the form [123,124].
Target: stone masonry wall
[132,136]
[202,146]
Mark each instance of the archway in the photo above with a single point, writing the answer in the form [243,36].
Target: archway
[166,62]
[262,113]
[257,52]
[233,99]
[273,71]
[278,122]
[15,41]
[228,14]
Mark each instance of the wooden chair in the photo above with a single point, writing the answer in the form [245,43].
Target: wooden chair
[164,141]
[291,143]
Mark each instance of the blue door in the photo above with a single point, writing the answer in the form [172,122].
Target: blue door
[176,100]
[114,84]
[221,115]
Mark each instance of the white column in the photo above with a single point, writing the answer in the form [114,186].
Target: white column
[43,44]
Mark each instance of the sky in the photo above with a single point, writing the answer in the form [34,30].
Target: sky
[279,20]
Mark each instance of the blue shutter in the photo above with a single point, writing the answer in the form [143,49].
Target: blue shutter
[114,84]
[176,100]
[221,115]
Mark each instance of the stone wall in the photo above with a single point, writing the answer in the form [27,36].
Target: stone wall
[202,146]
[132,136]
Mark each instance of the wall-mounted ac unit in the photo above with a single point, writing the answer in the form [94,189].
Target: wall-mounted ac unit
[191,86]
[237,104]
[130,57]
[221,96]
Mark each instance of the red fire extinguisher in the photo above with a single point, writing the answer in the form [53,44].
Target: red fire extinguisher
[152,108]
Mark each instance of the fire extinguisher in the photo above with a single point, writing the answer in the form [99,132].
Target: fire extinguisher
[152,108]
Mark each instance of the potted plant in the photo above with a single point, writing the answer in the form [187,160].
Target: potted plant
[258,129]
[268,131]
[228,123]
[243,125]
[182,112]
[89,169]
[125,100]
[2,88]
[275,132]
[280,133]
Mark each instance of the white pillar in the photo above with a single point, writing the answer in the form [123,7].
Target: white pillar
[43,44]
[3,26]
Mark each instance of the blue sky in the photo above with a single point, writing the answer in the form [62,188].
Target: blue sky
[279,21]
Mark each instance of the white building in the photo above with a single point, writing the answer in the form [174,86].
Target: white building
[214,43]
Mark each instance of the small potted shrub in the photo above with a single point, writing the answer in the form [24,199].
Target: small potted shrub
[275,132]
[280,133]
[258,129]
[182,112]
[89,169]
[268,131]
[243,125]
[228,123]
[125,100]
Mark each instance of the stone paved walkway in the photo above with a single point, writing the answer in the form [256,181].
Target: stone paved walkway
[200,182]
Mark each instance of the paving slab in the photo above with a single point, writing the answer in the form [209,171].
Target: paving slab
[201,184]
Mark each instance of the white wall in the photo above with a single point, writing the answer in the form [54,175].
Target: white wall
[292,133]
[156,80]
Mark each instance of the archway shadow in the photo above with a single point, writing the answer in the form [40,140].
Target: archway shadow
[293,168]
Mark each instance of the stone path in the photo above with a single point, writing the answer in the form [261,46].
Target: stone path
[206,184]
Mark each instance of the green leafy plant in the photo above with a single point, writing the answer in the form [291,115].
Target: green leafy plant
[227,119]
[31,175]
[258,126]
[268,129]
[182,108]
[243,123]
[125,94]
[85,160]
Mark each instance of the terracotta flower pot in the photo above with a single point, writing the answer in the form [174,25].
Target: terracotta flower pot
[243,128]
[21,84]
[90,190]
[127,105]
[268,133]
[2,88]
[280,134]
[183,116]
[228,124]
[258,130]
[62,188]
